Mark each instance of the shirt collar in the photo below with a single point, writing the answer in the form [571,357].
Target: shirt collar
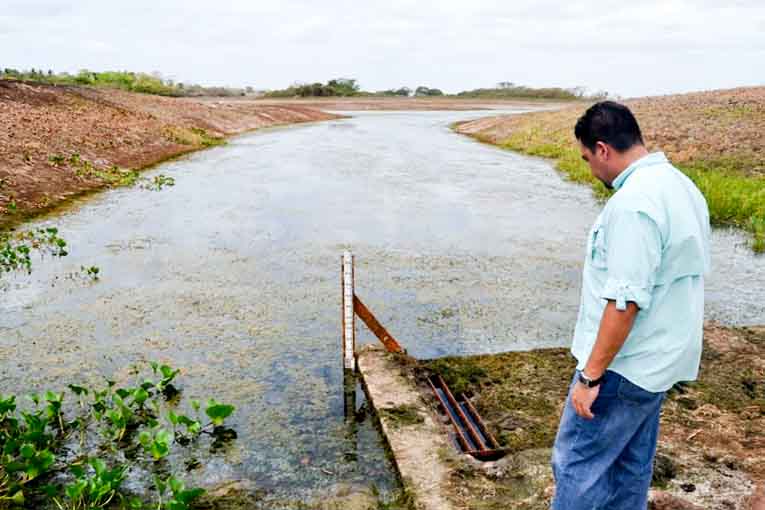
[651,159]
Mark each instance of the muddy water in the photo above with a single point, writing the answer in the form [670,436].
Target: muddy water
[233,275]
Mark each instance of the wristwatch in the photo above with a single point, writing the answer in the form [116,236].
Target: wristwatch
[587,382]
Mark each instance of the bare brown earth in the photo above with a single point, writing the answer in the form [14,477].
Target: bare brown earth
[43,127]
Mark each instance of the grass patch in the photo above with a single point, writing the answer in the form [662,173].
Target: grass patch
[523,414]
[734,198]
[194,136]
[402,416]
[125,80]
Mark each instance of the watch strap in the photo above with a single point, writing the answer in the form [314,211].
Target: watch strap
[590,383]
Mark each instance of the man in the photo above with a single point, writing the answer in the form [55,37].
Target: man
[640,321]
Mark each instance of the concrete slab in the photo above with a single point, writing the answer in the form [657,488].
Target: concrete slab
[416,441]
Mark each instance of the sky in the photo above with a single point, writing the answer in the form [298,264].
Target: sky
[629,49]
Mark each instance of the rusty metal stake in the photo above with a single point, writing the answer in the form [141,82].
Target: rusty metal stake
[375,327]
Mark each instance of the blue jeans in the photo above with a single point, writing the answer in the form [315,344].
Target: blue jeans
[607,462]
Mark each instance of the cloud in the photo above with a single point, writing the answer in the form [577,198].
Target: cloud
[451,44]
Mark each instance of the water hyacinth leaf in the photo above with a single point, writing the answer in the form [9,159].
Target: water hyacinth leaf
[14,466]
[192,426]
[7,404]
[140,396]
[187,496]
[98,466]
[74,491]
[168,373]
[176,485]
[40,463]
[49,490]
[10,446]
[27,451]
[160,485]
[53,397]
[218,412]
[77,470]
[18,498]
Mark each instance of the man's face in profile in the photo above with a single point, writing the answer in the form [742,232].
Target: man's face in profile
[597,161]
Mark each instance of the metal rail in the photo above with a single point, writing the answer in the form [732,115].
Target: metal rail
[470,430]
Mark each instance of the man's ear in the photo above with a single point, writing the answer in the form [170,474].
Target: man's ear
[602,150]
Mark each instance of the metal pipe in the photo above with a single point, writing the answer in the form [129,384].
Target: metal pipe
[481,425]
[460,436]
[468,426]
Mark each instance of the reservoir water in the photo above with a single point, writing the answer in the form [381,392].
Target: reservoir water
[233,276]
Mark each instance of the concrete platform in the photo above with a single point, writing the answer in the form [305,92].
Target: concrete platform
[414,440]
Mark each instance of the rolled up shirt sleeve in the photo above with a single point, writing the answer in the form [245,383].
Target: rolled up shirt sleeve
[633,250]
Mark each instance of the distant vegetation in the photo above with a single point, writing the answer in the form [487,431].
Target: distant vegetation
[348,87]
[426,91]
[509,90]
[340,87]
[400,92]
[125,80]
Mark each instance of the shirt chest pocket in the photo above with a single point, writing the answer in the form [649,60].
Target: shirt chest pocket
[596,251]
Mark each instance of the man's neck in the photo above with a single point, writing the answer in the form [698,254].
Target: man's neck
[626,158]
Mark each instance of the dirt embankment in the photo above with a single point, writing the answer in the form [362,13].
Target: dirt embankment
[57,142]
[717,126]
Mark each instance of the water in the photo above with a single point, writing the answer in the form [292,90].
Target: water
[233,275]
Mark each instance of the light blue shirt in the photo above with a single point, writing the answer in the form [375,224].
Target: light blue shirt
[649,245]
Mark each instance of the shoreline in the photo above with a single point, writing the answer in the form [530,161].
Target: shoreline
[65,143]
[714,137]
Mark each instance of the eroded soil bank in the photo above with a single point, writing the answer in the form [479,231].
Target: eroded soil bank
[711,452]
[720,126]
[60,141]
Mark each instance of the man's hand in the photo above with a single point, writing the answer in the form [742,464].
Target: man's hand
[582,398]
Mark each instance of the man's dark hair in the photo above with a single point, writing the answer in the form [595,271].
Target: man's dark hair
[610,123]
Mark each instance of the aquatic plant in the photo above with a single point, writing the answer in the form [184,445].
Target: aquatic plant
[157,182]
[98,440]
[16,247]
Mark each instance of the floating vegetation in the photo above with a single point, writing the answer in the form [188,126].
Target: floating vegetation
[16,247]
[78,456]
[113,175]
[157,182]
